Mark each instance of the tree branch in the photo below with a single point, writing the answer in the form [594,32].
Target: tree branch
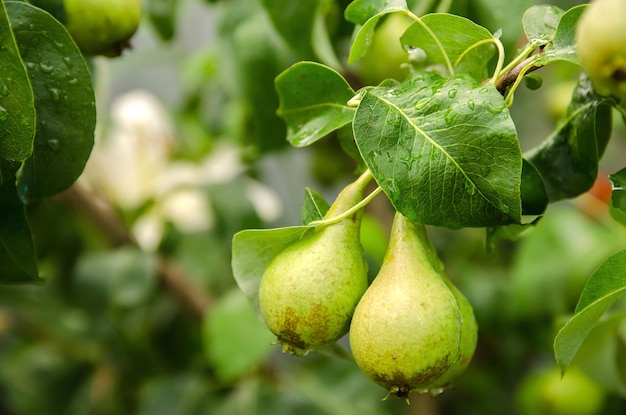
[102,215]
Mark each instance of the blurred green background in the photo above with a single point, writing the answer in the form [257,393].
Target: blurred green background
[140,314]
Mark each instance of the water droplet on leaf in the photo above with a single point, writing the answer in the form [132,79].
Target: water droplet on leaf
[46,68]
[452,93]
[4,91]
[55,93]
[470,104]
[54,144]
[68,62]
[3,114]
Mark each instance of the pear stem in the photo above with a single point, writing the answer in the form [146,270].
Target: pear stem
[336,219]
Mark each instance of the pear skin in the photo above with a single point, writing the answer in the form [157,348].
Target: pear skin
[309,291]
[406,330]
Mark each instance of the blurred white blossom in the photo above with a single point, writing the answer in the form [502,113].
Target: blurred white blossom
[132,167]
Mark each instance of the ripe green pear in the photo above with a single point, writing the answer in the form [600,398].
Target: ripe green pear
[407,330]
[102,27]
[601,43]
[309,291]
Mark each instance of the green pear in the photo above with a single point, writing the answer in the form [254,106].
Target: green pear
[601,45]
[469,338]
[406,332]
[309,291]
[102,27]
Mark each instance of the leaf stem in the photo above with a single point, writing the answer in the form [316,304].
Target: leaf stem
[436,40]
[500,62]
[336,219]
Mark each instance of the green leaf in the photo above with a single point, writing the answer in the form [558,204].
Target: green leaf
[260,56]
[467,46]
[445,151]
[17,108]
[563,46]
[64,102]
[540,23]
[618,197]
[315,206]
[233,353]
[568,159]
[163,15]
[302,25]
[360,11]
[367,13]
[17,251]
[604,287]
[533,190]
[313,102]
[253,250]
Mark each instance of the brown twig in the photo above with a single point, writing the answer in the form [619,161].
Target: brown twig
[510,77]
[104,218]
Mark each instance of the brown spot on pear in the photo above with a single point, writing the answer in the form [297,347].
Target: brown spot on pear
[309,291]
[406,330]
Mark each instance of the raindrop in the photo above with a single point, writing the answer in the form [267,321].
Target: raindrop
[449,116]
[31,65]
[470,104]
[452,93]
[484,90]
[59,45]
[422,103]
[25,121]
[73,81]
[54,144]
[3,114]
[495,109]
[68,62]
[4,91]
[55,93]
[46,68]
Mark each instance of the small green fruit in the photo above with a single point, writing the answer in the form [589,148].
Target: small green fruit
[102,27]
[601,42]
[407,330]
[545,392]
[385,56]
[309,291]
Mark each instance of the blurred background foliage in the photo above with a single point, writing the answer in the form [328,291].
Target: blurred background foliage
[139,312]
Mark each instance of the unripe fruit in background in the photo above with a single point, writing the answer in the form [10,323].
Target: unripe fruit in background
[102,27]
[407,330]
[309,291]
[385,54]
[601,42]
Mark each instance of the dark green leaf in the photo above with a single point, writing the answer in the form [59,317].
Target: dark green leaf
[445,151]
[260,57]
[54,7]
[604,287]
[568,159]
[313,102]
[563,46]
[162,15]
[315,206]
[17,251]
[64,101]
[467,46]
[253,250]
[233,353]
[533,190]
[540,23]
[367,13]
[618,197]
[17,108]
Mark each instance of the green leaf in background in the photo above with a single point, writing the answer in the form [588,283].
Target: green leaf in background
[604,287]
[17,250]
[253,250]
[533,190]
[17,108]
[54,7]
[445,151]
[315,206]
[64,101]
[234,353]
[467,47]
[540,23]
[618,197]
[563,46]
[501,15]
[260,57]
[302,25]
[162,15]
[313,102]
[367,13]
[568,159]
